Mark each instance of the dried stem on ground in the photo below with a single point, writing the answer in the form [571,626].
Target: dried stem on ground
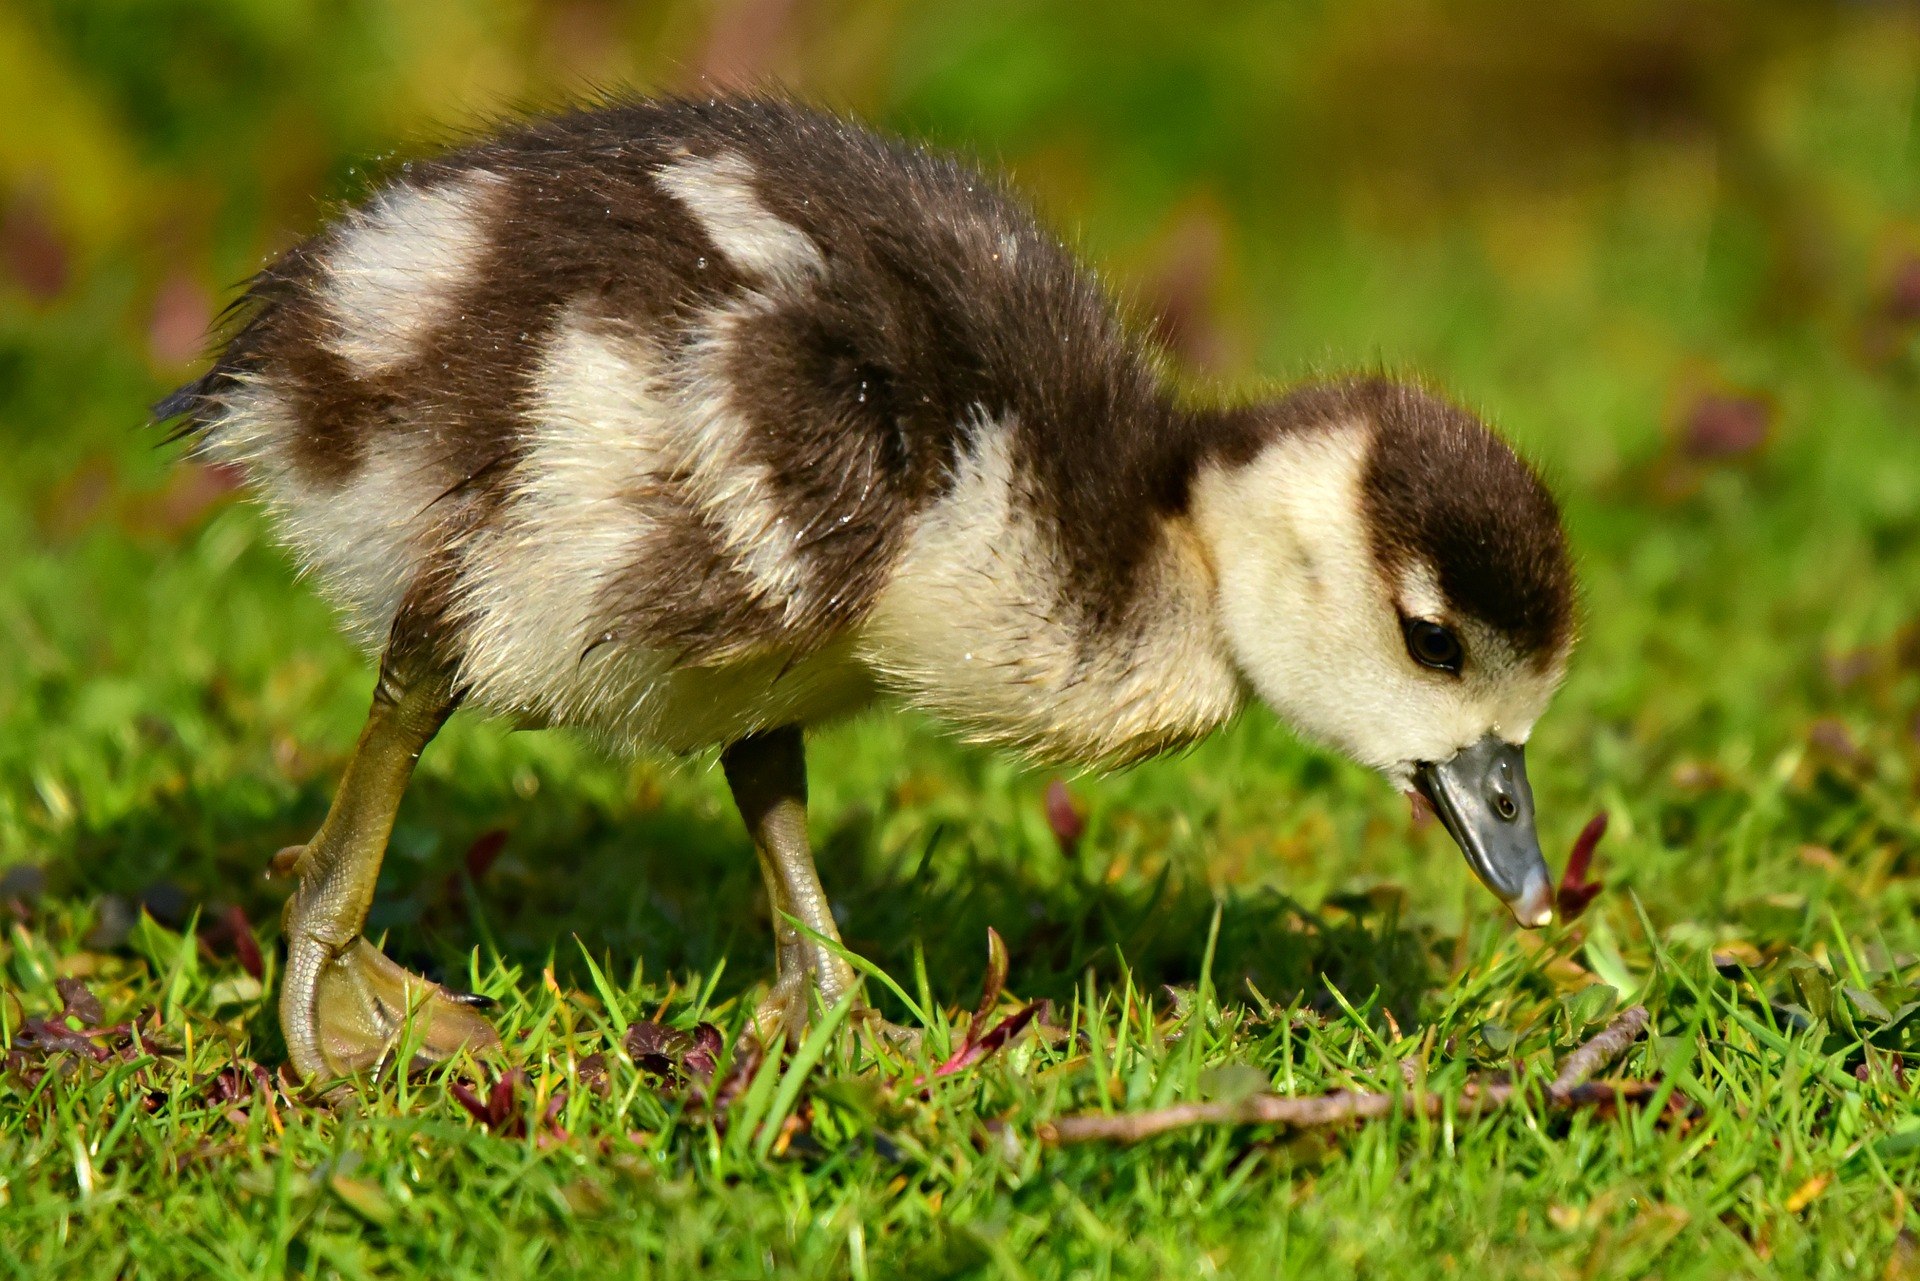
[1570,1089]
[1600,1051]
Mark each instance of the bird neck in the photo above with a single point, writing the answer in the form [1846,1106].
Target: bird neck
[999,617]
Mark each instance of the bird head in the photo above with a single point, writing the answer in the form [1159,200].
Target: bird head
[1394,581]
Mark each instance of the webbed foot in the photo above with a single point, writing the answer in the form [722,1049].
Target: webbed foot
[782,1013]
[902,1040]
[787,1010]
[345,1011]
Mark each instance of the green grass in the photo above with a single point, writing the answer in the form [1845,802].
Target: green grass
[174,706]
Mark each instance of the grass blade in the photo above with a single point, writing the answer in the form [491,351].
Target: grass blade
[811,1050]
[608,996]
[865,966]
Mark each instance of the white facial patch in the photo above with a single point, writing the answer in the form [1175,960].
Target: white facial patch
[1420,594]
[398,266]
[718,192]
[1316,626]
[363,540]
[974,626]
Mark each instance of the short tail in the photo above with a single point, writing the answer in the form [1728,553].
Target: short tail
[186,409]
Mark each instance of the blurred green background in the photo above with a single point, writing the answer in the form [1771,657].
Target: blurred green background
[1672,248]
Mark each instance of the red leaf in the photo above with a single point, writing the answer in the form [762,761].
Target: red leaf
[1903,292]
[53,1034]
[246,948]
[47,1036]
[230,1084]
[706,1050]
[1576,892]
[466,1098]
[1065,818]
[500,1110]
[79,1003]
[1421,810]
[194,490]
[32,249]
[182,315]
[1574,899]
[974,1051]
[1721,426]
[1583,846]
[485,852]
[500,1099]
[745,39]
[1006,1030]
[990,986]
[654,1046]
[550,1119]
[746,1062]
[1181,288]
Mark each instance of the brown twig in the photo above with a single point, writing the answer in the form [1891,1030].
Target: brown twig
[1570,1088]
[1600,1051]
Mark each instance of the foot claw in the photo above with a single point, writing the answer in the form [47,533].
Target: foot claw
[472,1000]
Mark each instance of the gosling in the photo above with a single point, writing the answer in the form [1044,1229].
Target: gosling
[696,423]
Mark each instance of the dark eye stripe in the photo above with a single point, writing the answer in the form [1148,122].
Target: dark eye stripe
[1432,644]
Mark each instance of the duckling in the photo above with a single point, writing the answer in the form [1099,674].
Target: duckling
[693,424]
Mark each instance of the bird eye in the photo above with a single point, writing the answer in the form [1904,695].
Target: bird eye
[1432,645]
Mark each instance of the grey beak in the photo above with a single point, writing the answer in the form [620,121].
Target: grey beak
[1483,798]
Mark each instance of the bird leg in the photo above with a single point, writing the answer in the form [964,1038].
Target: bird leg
[768,775]
[786,1005]
[343,1005]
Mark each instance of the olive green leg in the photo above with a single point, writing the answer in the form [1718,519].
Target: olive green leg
[768,775]
[343,1004]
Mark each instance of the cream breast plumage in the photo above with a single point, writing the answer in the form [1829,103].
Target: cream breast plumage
[695,423]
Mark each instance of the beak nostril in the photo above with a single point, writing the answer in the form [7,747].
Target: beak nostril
[1503,806]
